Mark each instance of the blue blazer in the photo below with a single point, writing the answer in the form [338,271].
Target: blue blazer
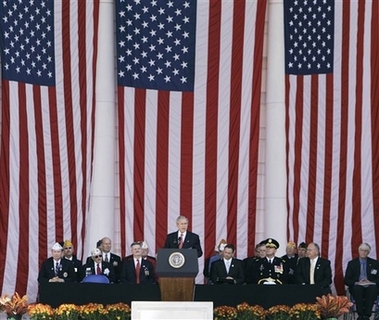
[128,272]
[191,241]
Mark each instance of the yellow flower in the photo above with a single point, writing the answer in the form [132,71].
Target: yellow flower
[225,312]
[40,311]
[67,312]
[93,311]
[279,312]
[119,311]
[303,311]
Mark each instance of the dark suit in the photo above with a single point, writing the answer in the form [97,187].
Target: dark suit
[218,273]
[65,271]
[77,268]
[128,272]
[251,269]
[291,263]
[106,270]
[364,296]
[322,274]
[115,261]
[191,241]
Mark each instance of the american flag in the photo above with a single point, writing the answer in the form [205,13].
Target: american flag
[48,62]
[189,92]
[332,126]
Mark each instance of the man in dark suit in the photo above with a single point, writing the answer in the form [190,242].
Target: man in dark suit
[314,270]
[183,239]
[362,278]
[228,270]
[98,266]
[55,268]
[105,245]
[137,270]
[291,260]
[68,254]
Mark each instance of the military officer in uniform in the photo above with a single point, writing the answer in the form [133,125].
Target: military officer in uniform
[272,269]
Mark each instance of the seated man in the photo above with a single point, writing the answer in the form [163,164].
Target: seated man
[219,250]
[228,270]
[270,269]
[291,260]
[137,270]
[251,264]
[362,278]
[98,266]
[314,270]
[68,254]
[56,269]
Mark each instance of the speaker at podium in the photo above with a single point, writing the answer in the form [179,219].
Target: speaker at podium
[177,270]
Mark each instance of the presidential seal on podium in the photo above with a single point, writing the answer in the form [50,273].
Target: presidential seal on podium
[176,260]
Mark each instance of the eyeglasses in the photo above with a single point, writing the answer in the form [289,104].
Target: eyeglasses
[98,256]
[68,248]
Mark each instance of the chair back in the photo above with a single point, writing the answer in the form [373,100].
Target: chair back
[96,278]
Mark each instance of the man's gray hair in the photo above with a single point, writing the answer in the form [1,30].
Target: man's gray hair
[365,246]
[181,218]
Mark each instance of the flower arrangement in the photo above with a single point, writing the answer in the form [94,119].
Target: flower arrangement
[40,311]
[119,311]
[14,306]
[67,312]
[224,312]
[279,312]
[93,311]
[331,306]
[303,311]
[247,312]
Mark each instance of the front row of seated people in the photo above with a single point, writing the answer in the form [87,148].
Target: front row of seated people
[304,267]
[137,268]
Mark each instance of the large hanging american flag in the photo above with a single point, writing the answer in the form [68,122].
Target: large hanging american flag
[332,50]
[48,63]
[189,76]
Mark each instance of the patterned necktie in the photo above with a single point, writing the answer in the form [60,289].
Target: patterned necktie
[138,269]
[98,270]
[181,241]
[56,270]
[106,257]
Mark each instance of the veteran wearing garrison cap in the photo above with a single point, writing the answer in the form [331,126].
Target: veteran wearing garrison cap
[56,268]
[272,269]
[68,254]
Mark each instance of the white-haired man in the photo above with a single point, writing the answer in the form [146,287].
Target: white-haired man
[55,268]
[362,278]
[98,266]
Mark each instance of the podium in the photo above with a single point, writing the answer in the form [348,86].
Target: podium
[177,269]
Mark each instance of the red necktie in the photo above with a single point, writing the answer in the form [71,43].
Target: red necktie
[181,241]
[98,270]
[138,269]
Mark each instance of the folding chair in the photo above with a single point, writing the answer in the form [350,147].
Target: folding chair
[353,309]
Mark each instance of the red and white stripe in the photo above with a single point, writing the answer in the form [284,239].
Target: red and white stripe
[332,121]
[46,152]
[196,154]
